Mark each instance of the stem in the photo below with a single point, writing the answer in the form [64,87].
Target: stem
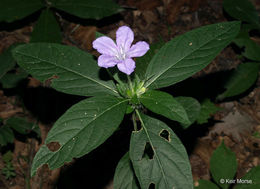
[134,121]
[130,83]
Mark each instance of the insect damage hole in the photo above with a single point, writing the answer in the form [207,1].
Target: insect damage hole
[152,186]
[165,134]
[148,151]
[53,146]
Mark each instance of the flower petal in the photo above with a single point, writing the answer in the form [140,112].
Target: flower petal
[138,49]
[105,45]
[106,61]
[127,66]
[124,37]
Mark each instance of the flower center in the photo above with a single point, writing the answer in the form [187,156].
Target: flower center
[121,54]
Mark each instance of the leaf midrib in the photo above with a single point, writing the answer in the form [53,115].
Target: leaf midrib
[77,73]
[180,37]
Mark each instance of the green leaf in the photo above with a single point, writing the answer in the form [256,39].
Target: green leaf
[205,184]
[223,165]
[164,104]
[252,177]
[11,80]
[242,10]
[98,34]
[95,9]
[240,80]
[124,176]
[207,110]
[84,127]
[192,108]
[7,61]
[67,68]
[142,62]
[187,54]
[12,10]
[6,135]
[251,48]
[22,126]
[159,157]
[46,29]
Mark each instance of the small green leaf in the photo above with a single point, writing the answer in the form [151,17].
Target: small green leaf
[11,80]
[98,34]
[7,61]
[251,48]
[124,176]
[142,62]
[8,156]
[95,9]
[164,104]
[67,68]
[205,184]
[187,54]
[252,177]
[207,110]
[6,135]
[21,125]
[192,108]
[46,29]
[223,165]
[240,80]
[12,10]
[242,10]
[84,127]
[159,157]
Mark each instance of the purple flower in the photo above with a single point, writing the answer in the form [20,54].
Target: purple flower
[121,53]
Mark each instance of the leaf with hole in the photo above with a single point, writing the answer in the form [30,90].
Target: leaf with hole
[67,68]
[252,176]
[242,10]
[95,9]
[12,10]
[223,165]
[82,128]
[164,104]
[187,54]
[46,29]
[124,174]
[205,184]
[159,157]
[240,79]
[192,108]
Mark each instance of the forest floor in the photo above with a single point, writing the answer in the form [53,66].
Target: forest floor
[151,21]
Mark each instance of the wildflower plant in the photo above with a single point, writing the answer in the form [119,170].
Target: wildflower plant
[156,155]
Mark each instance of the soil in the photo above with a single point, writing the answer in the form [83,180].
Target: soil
[151,21]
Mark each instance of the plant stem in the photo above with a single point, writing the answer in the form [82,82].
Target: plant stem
[130,83]
[139,116]
[134,121]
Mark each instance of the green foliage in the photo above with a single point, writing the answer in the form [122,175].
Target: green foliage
[158,156]
[242,10]
[192,108]
[7,61]
[142,62]
[67,68]
[253,175]
[11,80]
[46,29]
[6,135]
[187,54]
[205,184]
[95,9]
[12,10]
[8,171]
[207,109]
[223,165]
[240,80]
[81,129]
[22,126]
[164,104]
[124,175]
